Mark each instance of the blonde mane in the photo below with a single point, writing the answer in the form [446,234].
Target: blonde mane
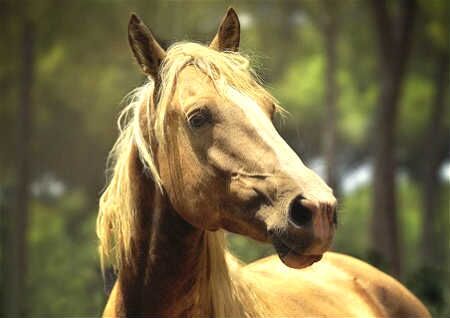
[141,125]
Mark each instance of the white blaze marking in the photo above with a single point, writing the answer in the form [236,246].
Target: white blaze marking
[288,160]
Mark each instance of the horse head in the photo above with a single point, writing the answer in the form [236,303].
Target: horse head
[215,153]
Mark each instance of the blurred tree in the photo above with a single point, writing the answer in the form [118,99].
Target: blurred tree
[434,146]
[325,17]
[18,270]
[434,142]
[8,111]
[394,33]
[330,32]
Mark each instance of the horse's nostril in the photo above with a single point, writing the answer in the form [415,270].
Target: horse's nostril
[299,214]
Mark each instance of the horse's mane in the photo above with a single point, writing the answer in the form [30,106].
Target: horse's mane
[141,124]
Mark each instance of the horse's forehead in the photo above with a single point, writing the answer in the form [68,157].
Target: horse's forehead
[192,80]
[193,84]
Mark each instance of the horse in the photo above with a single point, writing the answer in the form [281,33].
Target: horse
[198,155]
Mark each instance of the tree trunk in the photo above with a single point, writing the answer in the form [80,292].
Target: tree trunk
[434,141]
[17,291]
[385,238]
[394,50]
[330,132]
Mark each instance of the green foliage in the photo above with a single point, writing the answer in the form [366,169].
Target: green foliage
[431,284]
[353,217]
[64,275]
[248,250]
[299,90]
[355,108]
[415,108]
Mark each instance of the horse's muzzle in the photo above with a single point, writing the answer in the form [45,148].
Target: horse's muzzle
[309,231]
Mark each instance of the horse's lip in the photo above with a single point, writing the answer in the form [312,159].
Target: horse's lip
[292,258]
[299,261]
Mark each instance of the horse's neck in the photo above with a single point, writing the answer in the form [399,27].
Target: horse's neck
[168,267]
[181,271]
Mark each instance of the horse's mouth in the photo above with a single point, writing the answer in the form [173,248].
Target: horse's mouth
[292,258]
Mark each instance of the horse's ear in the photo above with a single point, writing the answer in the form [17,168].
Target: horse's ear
[229,33]
[146,49]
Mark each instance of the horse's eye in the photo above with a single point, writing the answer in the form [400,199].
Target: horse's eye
[199,117]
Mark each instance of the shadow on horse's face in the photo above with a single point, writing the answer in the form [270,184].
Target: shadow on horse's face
[225,166]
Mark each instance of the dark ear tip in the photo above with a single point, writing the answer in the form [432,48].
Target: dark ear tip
[134,19]
[231,12]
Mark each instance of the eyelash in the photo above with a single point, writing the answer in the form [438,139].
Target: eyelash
[198,117]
